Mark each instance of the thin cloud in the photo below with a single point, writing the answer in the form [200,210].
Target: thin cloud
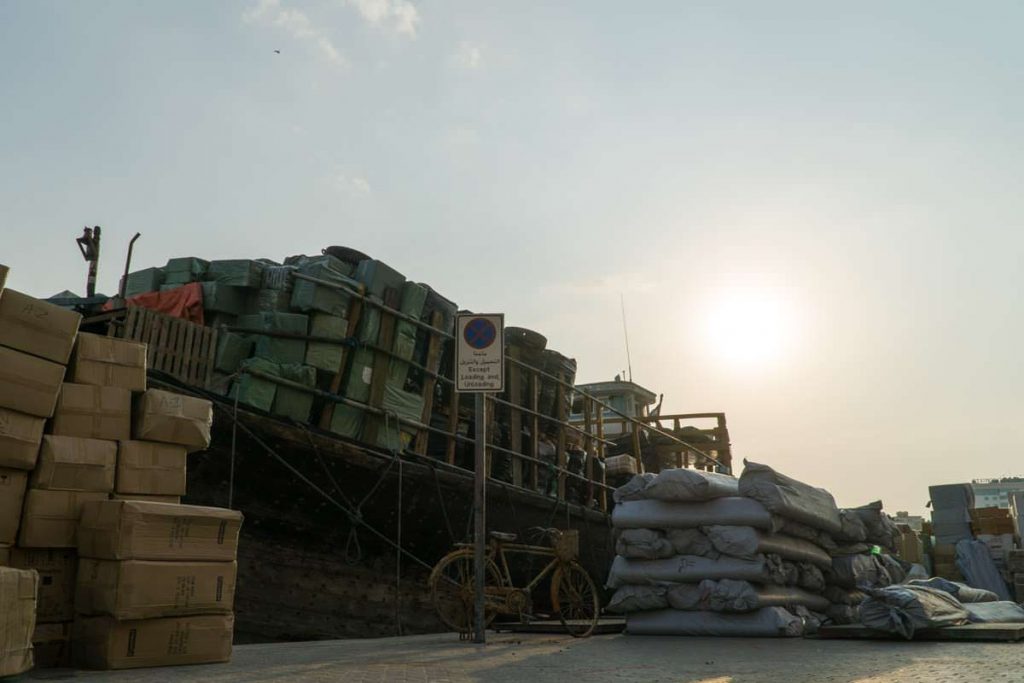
[400,16]
[352,184]
[468,56]
[297,25]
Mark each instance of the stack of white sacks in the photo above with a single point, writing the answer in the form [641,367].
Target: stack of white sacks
[701,553]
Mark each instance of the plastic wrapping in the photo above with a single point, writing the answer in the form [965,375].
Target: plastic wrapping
[852,527]
[880,529]
[643,544]
[687,485]
[790,498]
[634,488]
[976,564]
[844,596]
[766,622]
[810,577]
[859,571]
[999,612]
[729,595]
[685,569]
[629,599]
[691,542]
[961,591]
[906,609]
[747,542]
[658,514]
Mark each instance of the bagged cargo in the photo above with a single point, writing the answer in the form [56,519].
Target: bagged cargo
[658,514]
[104,643]
[906,609]
[999,612]
[29,384]
[277,349]
[810,577]
[961,591]
[747,542]
[236,272]
[946,496]
[17,619]
[232,349]
[880,529]
[173,418]
[853,529]
[637,599]
[20,435]
[108,361]
[741,596]
[690,542]
[221,298]
[67,463]
[685,569]
[843,596]
[643,544]
[859,571]
[790,498]
[975,561]
[37,327]
[686,485]
[766,622]
[185,269]
[143,281]
[634,488]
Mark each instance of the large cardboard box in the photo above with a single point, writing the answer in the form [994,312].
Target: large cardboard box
[52,645]
[136,530]
[93,412]
[56,569]
[17,619]
[142,589]
[20,435]
[151,468]
[29,384]
[68,463]
[173,418]
[37,327]
[12,494]
[50,519]
[146,498]
[109,362]
[105,643]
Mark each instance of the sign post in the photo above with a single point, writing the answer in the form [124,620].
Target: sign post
[479,369]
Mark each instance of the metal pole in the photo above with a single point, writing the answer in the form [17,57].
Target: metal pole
[479,517]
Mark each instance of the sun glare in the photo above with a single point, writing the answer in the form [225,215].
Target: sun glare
[750,329]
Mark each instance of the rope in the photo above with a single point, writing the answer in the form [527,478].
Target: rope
[440,500]
[234,438]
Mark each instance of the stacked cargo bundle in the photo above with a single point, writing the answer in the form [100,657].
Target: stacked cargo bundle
[18,589]
[951,522]
[699,553]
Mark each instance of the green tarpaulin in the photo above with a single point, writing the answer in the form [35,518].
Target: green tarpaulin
[310,296]
[391,434]
[277,349]
[378,277]
[142,281]
[322,355]
[356,385]
[232,349]
[295,403]
[255,391]
[271,301]
[236,272]
[347,421]
[181,271]
[222,298]
[413,298]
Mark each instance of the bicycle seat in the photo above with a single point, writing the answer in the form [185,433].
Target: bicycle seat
[502,536]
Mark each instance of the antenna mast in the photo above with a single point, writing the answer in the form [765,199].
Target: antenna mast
[625,333]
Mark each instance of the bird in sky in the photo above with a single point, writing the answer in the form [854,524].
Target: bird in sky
[277,52]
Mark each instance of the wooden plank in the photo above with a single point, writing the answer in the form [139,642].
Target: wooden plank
[429,382]
[211,352]
[381,362]
[174,354]
[161,328]
[966,633]
[188,358]
[355,314]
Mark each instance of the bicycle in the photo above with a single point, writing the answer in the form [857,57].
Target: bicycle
[574,596]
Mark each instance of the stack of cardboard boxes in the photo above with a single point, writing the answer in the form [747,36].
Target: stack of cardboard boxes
[88,452]
[1015,565]
[18,590]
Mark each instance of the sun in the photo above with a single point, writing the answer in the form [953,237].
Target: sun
[748,329]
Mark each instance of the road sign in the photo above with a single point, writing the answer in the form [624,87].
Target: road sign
[479,352]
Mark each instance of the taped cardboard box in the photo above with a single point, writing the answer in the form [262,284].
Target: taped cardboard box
[110,362]
[50,519]
[29,384]
[68,463]
[12,495]
[146,498]
[20,435]
[136,530]
[148,467]
[92,412]
[105,643]
[56,569]
[17,619]
[37,327]
[143,589]
[173,418]
[51,644]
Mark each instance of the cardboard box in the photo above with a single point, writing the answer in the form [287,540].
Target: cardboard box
[20,435]
[173,418]
[68,463]
[109,362]
[105,643]
[146,498]
[17,619]
[52,645]
[50,519]
[93,412]
[56,569]
[135,530]
[12,494]
[37,327]
[151,468]
[142,589]
[29,384]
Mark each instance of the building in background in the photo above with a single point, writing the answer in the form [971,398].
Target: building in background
[913,521]
[995,493]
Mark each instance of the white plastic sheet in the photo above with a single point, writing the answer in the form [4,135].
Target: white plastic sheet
[685,485]
[747,542]
[999,612]
[647,544]
[659,514]
[766,622]
[789,498]
[960,591]
[685,569]
[906,609]
[637,599]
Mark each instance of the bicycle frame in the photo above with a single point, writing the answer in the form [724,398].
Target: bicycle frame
[497,550]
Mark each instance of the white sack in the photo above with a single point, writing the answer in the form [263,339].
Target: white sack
[634,488]
[685,569]
[767,622]
[646,544]
[686,486]
[659,514]
[637,599]
[747,542]
[906,609]
[790,498]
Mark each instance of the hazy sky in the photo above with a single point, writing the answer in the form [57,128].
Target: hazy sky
[811,209]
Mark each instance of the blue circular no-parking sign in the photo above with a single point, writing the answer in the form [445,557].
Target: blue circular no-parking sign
[480,333]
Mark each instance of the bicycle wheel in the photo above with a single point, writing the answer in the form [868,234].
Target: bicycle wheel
[452,590]
[574,597]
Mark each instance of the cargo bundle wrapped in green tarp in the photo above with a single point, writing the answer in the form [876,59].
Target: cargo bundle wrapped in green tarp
[232,349]
[378,277]
[391,433]
[181,271]
[142,281]
[222,298]
[347,421]
[277,277]
[295,403]
[413,298]
[271,300]
[356,384]
[236,273]
[277,349]
[322,355]
[310,296]
[254,391]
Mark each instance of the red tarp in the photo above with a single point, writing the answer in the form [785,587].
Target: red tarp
[181,302]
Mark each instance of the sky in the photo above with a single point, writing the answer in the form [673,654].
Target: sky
[809,211]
